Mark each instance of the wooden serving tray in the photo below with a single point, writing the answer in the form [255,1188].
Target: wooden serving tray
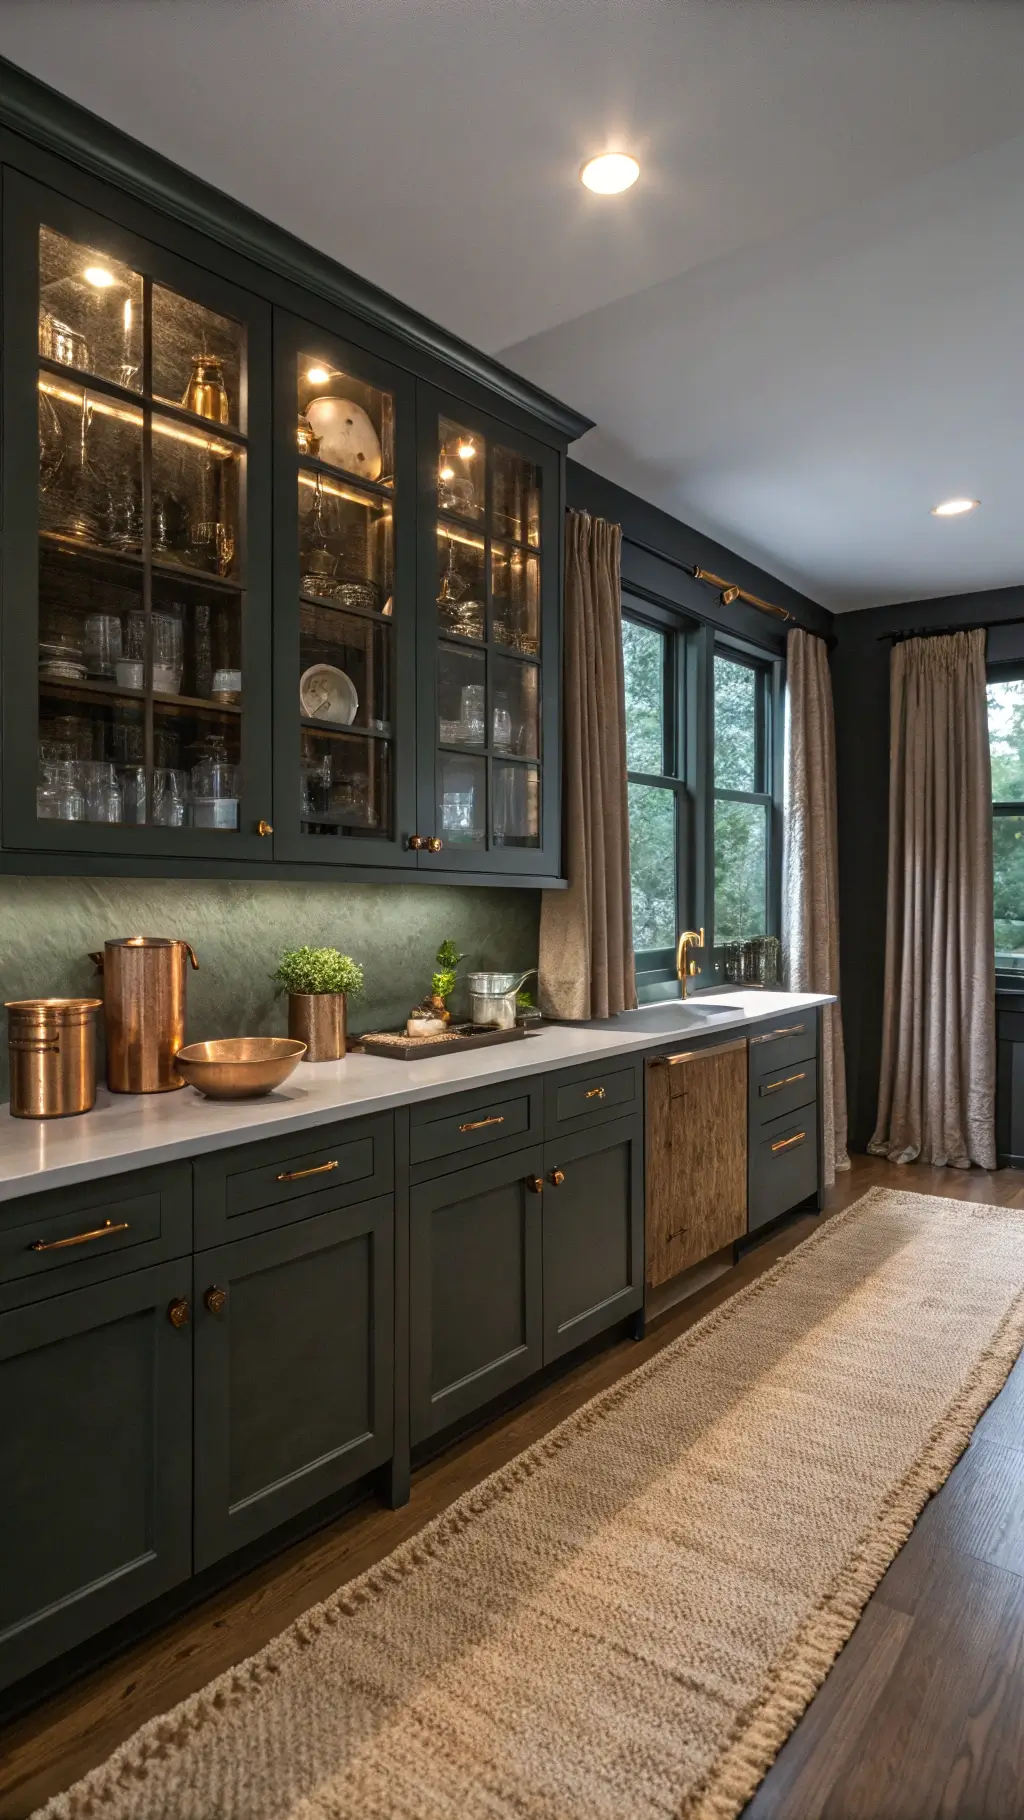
[403,1048]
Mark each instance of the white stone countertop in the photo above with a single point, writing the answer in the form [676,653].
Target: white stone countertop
[132,1131]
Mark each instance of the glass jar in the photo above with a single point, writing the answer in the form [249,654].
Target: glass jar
[58,795]
[213,789]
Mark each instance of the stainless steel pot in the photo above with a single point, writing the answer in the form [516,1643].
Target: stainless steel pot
[493,997]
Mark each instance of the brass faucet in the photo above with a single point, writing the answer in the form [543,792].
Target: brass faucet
[685,968]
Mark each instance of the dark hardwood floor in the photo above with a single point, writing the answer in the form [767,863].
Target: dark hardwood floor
[922,1717]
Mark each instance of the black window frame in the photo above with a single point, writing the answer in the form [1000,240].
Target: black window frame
[996,673]
[689,743]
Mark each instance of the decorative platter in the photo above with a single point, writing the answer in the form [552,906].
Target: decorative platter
[327,693]
[403,1048]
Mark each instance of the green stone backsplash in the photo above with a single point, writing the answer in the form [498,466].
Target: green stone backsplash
[48,926]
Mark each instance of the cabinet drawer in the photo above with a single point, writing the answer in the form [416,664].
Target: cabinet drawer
[446,1130]
[775,1051]
[784,1090]
[249,1190]
[783,1167]
[589,1093]
[73,1237]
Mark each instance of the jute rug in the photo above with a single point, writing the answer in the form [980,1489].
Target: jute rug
[627,1621]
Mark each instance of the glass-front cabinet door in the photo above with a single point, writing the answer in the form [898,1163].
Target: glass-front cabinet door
[489,659]
[136,545]
[345,603]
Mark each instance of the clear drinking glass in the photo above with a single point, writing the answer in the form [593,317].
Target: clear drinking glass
[133,793]
[101,789]
[170,793]
[168,653]
[214,793]
[58,796]
[102,644]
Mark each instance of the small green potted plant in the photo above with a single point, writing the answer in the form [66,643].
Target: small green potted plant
[430,1017]
[318,982]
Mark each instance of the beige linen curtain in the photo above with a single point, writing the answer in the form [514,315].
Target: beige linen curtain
[586,932]
[810,869]
[936,1098]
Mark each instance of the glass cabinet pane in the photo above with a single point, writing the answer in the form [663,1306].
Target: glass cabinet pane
[515,708]
[140,624]
[461,470]
[345,785]
[515,497]
[344,422]
[345,545]
[198,358]
[461,588]
[515,814]
[90,311]
[461,697]
[462,800]
[515,598]
[346,662]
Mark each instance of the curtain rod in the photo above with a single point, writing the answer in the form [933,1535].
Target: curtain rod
[729,592]
[974,625]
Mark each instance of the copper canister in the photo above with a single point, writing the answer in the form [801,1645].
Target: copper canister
[52,1045]
[144,1011]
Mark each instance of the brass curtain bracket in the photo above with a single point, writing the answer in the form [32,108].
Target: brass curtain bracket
[729,592]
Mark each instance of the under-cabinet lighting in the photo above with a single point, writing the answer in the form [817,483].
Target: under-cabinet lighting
[954,508]
[356,499]
[446,473]
[99,276]
[472,543]
[610,174]
[318,375]
[125,414]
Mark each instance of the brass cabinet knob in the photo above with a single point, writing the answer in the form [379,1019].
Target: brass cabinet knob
[216,1299]
[434,845]
[178,1313]
[263,827]
[556,1177]
[416,841]
[535,1184]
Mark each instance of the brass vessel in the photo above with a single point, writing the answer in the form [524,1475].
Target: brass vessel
[52,1044]
[239,1067]
[320,1020]
[206,393]
[144,1010]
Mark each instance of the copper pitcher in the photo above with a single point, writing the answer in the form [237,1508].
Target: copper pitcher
[144,1011]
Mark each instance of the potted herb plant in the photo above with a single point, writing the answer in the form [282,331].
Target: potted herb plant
[430,1017]
[318,982]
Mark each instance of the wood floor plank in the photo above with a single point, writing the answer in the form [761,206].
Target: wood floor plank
[48,1749]
[987,1777]
[803,1775]
[910,1749]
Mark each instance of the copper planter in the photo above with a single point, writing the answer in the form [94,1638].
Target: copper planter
[320,1020]
[52,1043]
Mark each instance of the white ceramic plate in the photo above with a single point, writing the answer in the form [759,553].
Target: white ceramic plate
[347,437]
[326,693]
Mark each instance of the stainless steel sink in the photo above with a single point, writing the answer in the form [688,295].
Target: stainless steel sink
[670,1015]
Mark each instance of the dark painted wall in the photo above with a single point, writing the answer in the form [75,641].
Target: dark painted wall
[657,549]
[860,676]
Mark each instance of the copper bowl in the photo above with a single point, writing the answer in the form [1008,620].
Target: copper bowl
[239,1067]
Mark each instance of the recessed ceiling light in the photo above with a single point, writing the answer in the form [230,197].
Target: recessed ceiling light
[610,173]
[318,375]
[99,276]
[954,508]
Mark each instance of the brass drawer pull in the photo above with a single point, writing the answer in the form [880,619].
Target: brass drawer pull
[296,1175]
[773,1086]
[105,1231]
[770,1036]
[594,1093]
[785,1143]
[497,1118]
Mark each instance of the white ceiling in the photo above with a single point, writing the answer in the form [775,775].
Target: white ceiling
[798,332]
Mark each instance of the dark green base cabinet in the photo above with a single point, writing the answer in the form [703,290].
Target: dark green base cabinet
[294,1349]
[518,1260]
[96,1446]
[784,1154]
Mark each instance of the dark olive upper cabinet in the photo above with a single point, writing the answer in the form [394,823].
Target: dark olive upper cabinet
[95,1440]
[136,677]
[294,1361]
[282,562]
[489,569]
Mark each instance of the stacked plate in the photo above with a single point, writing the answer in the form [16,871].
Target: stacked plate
[61,663]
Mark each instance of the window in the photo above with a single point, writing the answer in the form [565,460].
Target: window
[742,798]
[649,662]
[702,817]
[1006,744]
